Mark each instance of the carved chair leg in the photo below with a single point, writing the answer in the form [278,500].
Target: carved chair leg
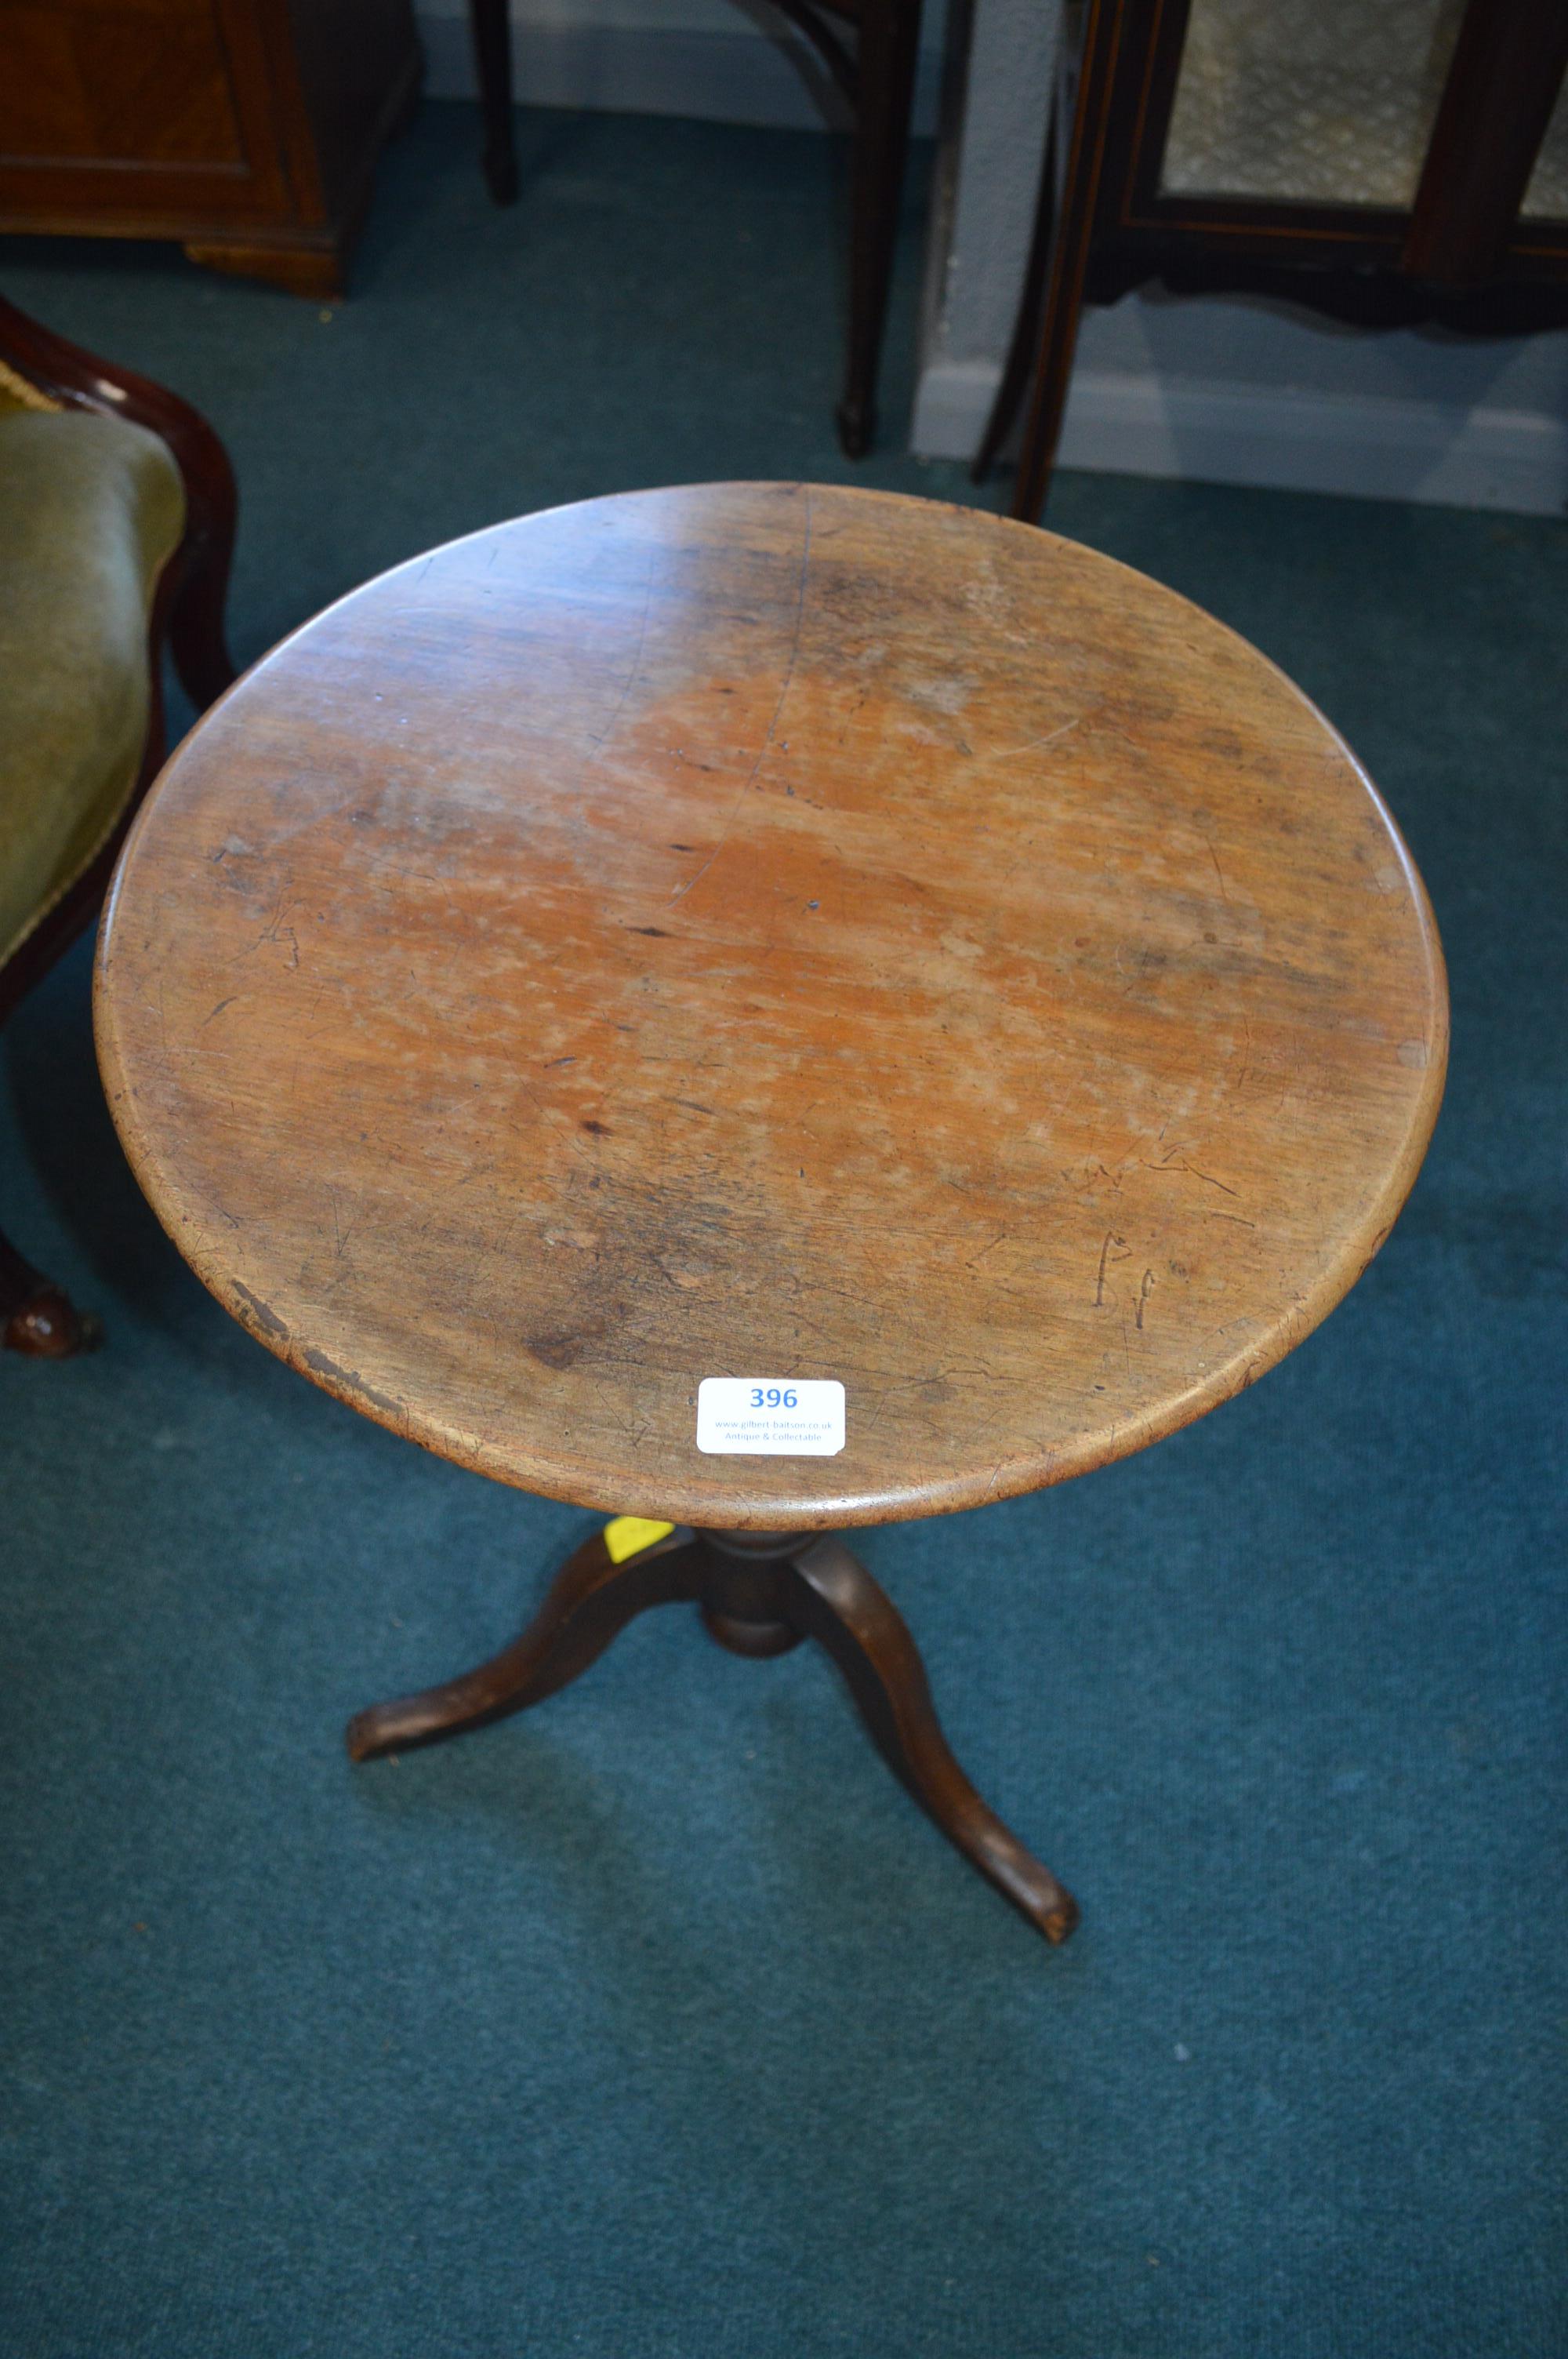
[831,1596]
[592,1600]
[35,1317]
[889,41]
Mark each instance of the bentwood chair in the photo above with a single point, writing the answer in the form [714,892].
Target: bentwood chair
[877,78]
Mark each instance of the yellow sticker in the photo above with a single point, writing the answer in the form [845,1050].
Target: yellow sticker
[629,1535]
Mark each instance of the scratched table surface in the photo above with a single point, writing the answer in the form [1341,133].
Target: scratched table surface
[771,931]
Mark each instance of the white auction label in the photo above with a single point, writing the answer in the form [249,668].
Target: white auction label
[771,1417]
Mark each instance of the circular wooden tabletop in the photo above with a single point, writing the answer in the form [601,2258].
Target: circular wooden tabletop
[774,932]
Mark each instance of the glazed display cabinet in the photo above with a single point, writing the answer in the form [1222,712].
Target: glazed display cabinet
[1385,164]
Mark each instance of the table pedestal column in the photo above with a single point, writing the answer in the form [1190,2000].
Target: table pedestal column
[760,1594]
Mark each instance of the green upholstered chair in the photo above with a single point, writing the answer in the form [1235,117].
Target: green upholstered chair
[117,529]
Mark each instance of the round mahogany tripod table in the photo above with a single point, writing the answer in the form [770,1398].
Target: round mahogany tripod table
[669,959]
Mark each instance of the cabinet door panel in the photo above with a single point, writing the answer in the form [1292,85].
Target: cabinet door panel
[149,106]
[104,83]
[1332,103]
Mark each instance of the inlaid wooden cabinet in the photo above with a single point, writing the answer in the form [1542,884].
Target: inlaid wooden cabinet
[247,129]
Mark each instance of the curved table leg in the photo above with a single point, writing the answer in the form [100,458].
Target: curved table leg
[833,1598]
[592,1600]
[755,1600]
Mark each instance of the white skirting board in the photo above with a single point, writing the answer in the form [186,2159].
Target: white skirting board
[746,76]
[1366,446]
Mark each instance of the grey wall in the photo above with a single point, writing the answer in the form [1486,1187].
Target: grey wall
[998,137]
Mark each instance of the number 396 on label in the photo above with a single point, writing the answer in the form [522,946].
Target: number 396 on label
[771,1417]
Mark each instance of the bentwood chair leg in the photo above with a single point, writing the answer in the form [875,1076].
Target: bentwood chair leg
[1015,372]
[1074,232]
[835,1601]
[889,39]
[492,64]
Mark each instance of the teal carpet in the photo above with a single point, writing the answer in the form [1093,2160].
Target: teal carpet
[658,2024]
